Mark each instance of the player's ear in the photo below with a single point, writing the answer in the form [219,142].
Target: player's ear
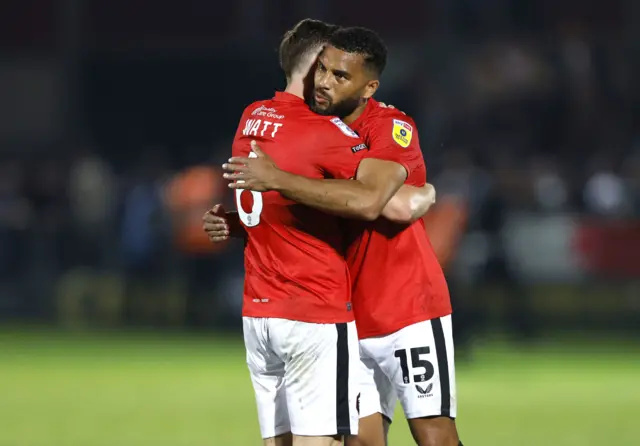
[371,88]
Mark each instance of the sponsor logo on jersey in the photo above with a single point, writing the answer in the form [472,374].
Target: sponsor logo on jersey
[359,147]
[266,112]
[402,133]
[425,392]
[344,128]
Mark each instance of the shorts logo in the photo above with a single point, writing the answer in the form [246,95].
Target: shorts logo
[424,392]
[344,128]
[402,133]
[358,404]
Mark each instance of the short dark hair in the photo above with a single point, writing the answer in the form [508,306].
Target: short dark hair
[362,41]
[299,41]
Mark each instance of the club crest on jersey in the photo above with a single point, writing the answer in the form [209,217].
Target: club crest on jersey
[402,133]
[344,128]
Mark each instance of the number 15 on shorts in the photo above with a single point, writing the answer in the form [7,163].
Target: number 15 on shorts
[422,370]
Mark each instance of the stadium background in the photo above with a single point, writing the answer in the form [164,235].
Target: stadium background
[119,325]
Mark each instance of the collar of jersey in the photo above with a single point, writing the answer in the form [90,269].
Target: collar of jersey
[371,104]
[283,96]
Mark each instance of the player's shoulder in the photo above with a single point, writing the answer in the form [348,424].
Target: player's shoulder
[390,124]
[328,127]
[334,132]
[337,127]
[295,113]
[381,114]
[257,107]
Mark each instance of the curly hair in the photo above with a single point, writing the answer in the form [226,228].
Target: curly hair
[363,41]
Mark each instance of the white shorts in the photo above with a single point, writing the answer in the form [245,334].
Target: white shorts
[305,376]
[415,365]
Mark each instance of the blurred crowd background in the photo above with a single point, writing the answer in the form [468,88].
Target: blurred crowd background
[115,117]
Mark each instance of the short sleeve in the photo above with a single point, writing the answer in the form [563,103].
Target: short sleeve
[343,150]
[394,139]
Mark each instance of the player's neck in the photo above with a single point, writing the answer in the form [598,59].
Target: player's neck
[295,87]
[356,114]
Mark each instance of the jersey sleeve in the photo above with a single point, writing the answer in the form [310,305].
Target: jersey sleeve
[343,150]
[395,139]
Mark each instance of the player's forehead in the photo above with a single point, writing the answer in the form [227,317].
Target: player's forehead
[336,59]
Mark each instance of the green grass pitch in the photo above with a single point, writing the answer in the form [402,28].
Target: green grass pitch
[150,390]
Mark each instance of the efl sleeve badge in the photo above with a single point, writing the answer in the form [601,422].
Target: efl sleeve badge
[402,133]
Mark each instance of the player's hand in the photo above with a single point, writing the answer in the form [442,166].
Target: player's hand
[257,173]
[431,191]
[215,224]
[382,104]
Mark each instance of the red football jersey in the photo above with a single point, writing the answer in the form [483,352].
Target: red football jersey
[397,280]
[294,264]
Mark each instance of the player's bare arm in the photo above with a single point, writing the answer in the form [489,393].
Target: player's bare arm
[363,198]
[220,225]
[410,203]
